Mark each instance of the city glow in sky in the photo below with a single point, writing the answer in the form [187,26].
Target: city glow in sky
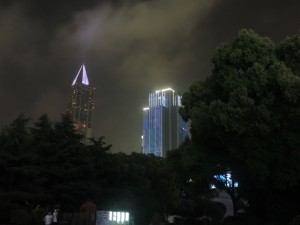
[130,48]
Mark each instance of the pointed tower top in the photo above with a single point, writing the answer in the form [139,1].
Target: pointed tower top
[85,79]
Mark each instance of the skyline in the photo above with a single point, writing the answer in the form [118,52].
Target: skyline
[130,48]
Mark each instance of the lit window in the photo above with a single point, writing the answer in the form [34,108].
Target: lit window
[122,217]
[118,217]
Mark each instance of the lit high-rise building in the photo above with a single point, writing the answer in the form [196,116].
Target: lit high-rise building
[80,104]
[164,128]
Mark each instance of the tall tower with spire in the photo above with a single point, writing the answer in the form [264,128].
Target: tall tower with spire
[80,104]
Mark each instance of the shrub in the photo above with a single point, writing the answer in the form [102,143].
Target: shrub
[20,217]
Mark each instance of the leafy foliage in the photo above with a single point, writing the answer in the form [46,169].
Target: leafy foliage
[47,165]
[245,117]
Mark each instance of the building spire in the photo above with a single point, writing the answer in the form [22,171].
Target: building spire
[85,79]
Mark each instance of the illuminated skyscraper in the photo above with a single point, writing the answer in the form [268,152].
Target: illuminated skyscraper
[164,128]
[80,104]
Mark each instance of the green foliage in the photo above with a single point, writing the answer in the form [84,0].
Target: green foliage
[47,164]
[65,133]
[15,137]
[288,51]
[246,116]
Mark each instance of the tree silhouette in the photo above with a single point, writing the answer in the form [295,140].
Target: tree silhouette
[245,117]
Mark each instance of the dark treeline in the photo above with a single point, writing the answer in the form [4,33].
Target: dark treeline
[47,165]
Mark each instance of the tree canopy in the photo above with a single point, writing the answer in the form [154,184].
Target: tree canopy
[44,163]
[246,115]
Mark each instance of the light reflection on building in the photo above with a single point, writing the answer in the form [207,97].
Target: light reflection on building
[163,127]
[80,104]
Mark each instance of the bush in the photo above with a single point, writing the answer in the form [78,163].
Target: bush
[20,217]
[38,215]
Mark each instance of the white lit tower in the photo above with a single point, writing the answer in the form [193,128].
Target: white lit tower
[163,127]
[80,104]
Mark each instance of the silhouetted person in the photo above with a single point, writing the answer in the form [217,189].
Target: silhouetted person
[48,219]
[55,217]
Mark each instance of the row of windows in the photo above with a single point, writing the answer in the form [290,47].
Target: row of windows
[118,216]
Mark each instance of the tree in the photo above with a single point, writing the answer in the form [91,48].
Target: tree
[65,132]
[21,165]
[47,164]
[15,136]
[288,51]
[139,183]
[246,117]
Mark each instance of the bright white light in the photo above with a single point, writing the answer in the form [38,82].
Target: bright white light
[146,108]
[167,89]
[84,76]
[85,79]
[74,81]
[212,186]
[189,180]
[118,217]
[163,90]
[122,217]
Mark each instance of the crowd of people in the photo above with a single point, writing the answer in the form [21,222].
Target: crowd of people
[51,218]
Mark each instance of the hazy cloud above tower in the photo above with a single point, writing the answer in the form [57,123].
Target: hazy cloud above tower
[144,42]
[130,48]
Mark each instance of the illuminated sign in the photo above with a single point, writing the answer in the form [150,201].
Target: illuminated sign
[112,218]
[226,179]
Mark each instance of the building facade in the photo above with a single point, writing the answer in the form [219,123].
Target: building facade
[163,127]
[80,104]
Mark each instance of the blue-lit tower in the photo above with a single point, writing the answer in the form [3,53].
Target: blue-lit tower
[80,104]
[163,128]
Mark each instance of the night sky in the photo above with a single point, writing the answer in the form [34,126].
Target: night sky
[130,48]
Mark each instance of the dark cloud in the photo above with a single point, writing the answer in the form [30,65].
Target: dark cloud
[130,49]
